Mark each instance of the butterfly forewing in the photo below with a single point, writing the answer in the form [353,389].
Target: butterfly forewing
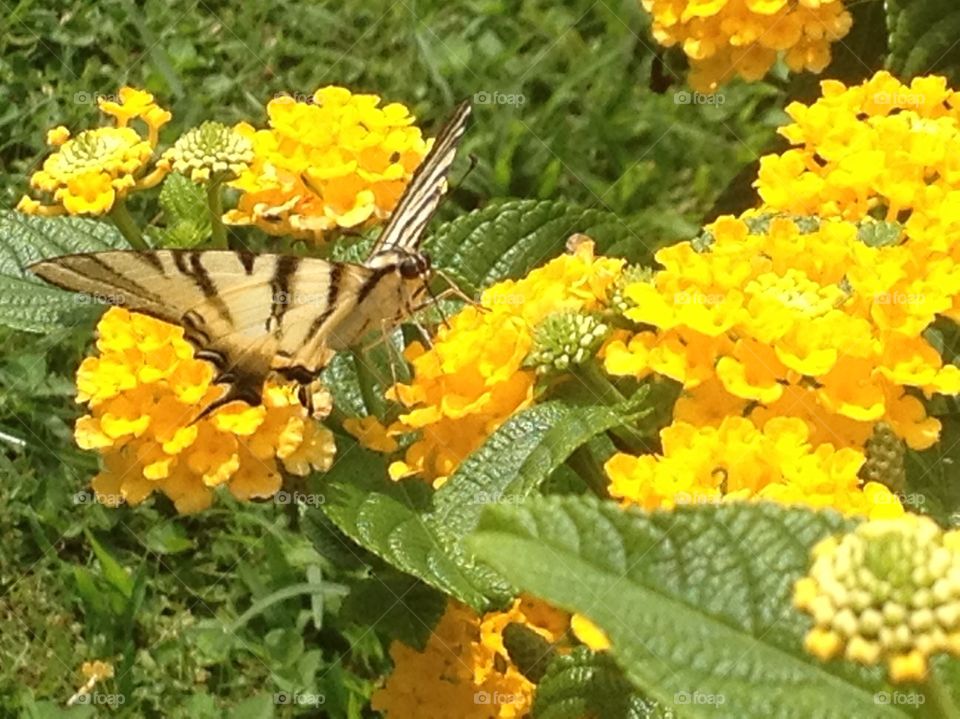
[429,184]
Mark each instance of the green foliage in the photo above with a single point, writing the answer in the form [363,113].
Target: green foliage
[420,531]
[26,303]
[508,239]
[923,38]
[586,683]
[696,602]
[187,218]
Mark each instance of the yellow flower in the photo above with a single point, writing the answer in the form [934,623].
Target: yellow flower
[888,592]
[736,461]
[783,317]
[473,378]
[589,633]
[93,170]
[144,390]
[341,161]
[728,38]
[464,670]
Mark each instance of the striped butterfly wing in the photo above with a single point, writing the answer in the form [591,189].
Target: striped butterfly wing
[427,187]
[247,314]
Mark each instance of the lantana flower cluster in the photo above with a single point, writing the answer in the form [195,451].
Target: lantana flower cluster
[888,592]
[144,391]
[91,171]
[337,161]
[473,378]
[465,670]
[724,39]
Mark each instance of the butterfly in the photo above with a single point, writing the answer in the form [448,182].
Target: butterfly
[256,315]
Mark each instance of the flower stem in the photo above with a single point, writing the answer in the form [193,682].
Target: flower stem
[128,228]
[218,238]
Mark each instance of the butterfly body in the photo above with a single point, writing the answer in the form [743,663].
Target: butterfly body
[253,315]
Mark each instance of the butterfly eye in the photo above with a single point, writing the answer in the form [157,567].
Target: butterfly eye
[414,266]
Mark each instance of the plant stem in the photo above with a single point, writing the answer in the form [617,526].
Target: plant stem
[218,238]
[128,228]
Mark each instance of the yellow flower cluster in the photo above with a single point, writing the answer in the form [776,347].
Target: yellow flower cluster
[728,38]
[888,592]
[787,321]
[888,151]
[472,379]
[89,173]
[739,461]
[145,390]
[465,670]
[210,151]
[338,161]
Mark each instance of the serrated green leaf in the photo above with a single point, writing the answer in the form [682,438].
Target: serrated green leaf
[923,37]
[184,205]
[696,602]
[26,302]
[585,683]
[420,531]
[508,239]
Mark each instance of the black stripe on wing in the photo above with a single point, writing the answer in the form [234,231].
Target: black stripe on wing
[428,186]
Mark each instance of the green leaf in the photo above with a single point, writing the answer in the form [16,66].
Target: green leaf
[405,608]
[585,683]
[420,531]
[510,238]
[185,210]
[26,302]
[696,602]
[113,572]
[923,38]
[259,706]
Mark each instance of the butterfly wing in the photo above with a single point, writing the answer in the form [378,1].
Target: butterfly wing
[247,314]
[427,187]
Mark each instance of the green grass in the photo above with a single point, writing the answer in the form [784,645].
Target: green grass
[589,130]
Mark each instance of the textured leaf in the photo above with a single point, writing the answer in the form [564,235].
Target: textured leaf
[696,602]
[508,239]
[421,531]
[26,302]
[184,206]
[585,683]
[404,608]
[923,37]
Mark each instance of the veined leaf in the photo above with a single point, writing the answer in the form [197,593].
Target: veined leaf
[508,239]
[27,303]
[585,683]
[421,531]
[696,602]
[922,37]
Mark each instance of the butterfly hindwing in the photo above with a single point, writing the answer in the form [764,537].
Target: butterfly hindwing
[243,312]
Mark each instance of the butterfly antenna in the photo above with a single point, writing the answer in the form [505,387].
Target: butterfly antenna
[436,303]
